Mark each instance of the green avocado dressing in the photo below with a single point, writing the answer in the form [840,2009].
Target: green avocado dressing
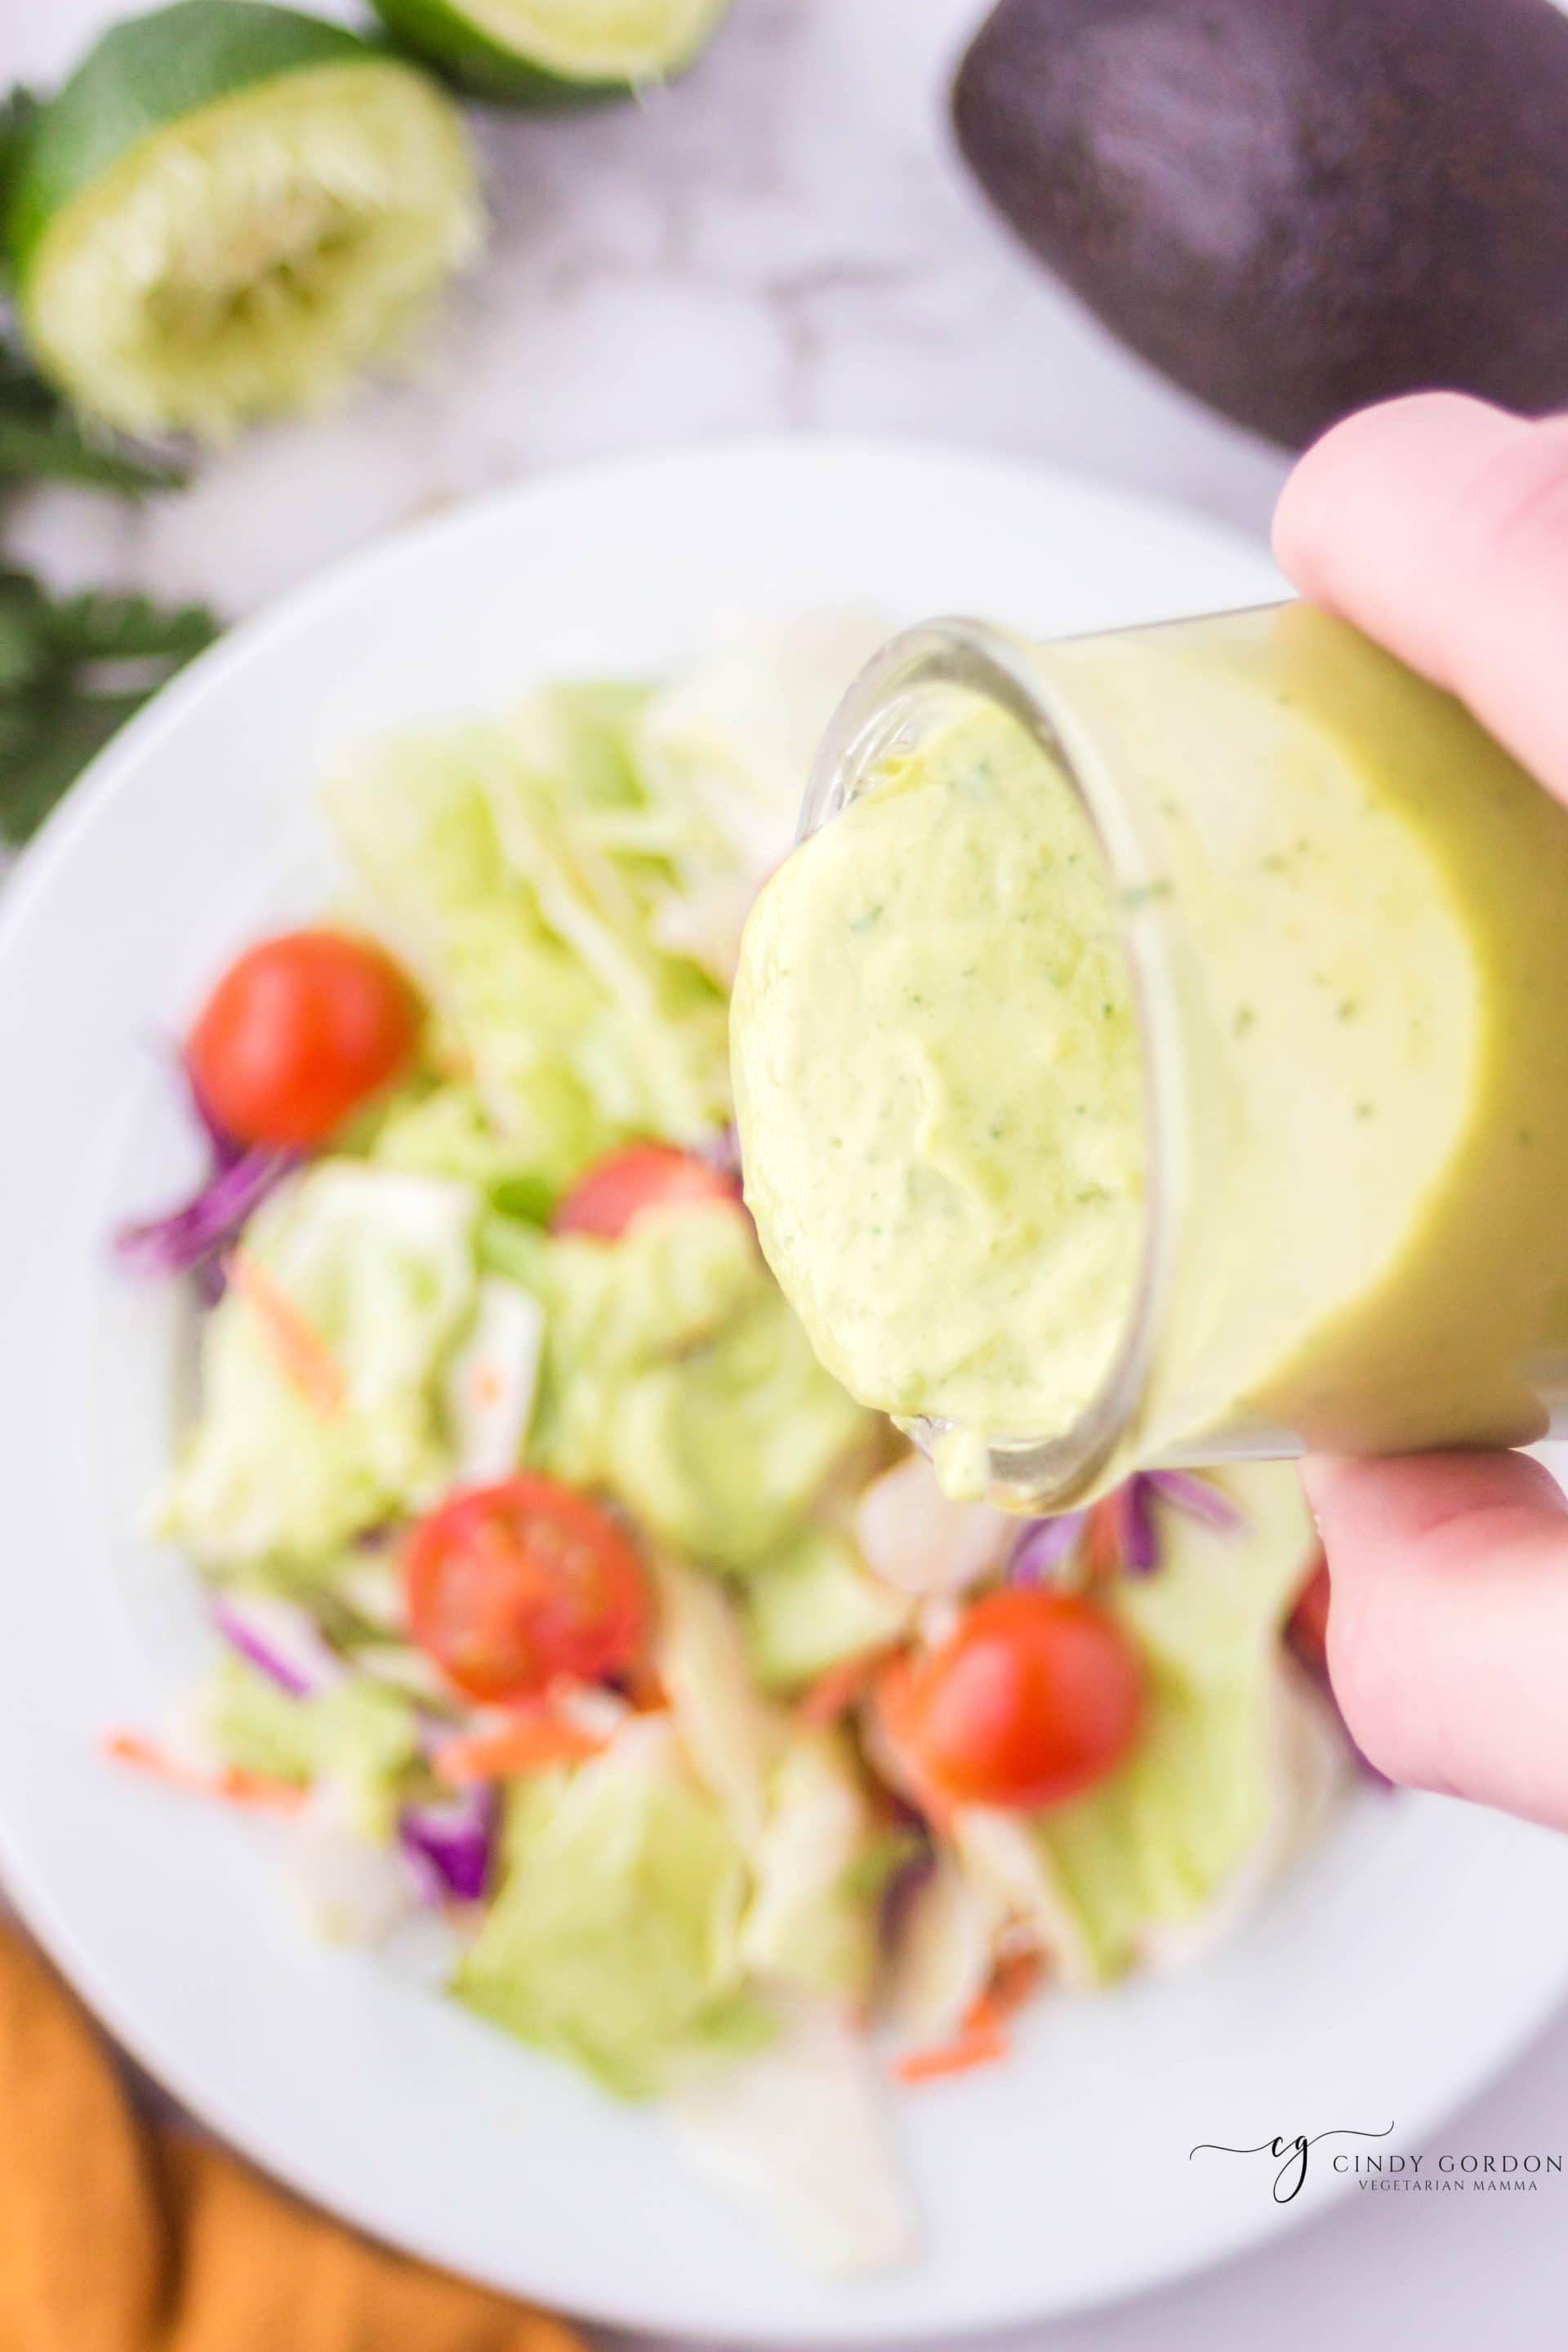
[940,1082]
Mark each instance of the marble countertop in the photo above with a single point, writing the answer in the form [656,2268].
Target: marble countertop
[786,242]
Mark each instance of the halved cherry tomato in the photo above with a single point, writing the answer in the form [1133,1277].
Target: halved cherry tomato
[639,1176]
[1307,1627]
[513,1586]
[1036,1696]
[297,1033]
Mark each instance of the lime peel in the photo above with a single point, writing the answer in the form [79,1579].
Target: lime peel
[229,211]
[552,52]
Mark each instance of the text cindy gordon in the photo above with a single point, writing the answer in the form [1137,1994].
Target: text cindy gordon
[1448,2172]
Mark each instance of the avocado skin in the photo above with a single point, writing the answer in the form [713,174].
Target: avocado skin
[1292,207]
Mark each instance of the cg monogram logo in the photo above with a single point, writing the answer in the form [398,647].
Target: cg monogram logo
[1291,2151]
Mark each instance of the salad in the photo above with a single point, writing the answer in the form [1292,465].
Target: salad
[568,1612]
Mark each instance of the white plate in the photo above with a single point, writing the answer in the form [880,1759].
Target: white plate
[1405,1961]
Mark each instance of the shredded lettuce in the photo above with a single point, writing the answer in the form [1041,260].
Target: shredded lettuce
[533,948]
[491,1382]
[379,1269]
[810,1605]
[614,1940]
[1161,1839]
[731,1735]
[443,1130]
[944,1952]
[676,1377]
[361,1735]
[812,1921]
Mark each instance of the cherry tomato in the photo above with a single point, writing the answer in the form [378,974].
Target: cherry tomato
[1036,1696]
[639,1176]
[1307,1627]
[512,1586]
[297,1033]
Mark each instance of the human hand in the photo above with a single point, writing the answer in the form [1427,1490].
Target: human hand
[1440,527]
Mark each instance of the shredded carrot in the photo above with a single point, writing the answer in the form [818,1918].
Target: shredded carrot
[254,1791]
[1102,1549]
[302,1358]
[530,1743]
[979,2041]
[835,1690]
[645,1693]
[1011,1984]
[892,1729]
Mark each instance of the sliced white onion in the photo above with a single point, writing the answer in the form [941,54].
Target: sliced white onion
[914,1539]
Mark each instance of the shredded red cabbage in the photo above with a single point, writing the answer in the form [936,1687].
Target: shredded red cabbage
[1042,1545]
[1198,1497]
[281,1639]
[1138,1537]
[452,1841]
[194,1237]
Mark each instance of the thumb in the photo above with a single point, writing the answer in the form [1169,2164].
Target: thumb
[1449,1621]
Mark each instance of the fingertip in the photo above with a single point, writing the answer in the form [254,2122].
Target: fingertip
[1372,1512]
[1365,509]
[1449,1620]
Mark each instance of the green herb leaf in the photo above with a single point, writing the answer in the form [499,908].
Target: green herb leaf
[18,109]
[64,691]
[23,654]
[110,626]
[42,441]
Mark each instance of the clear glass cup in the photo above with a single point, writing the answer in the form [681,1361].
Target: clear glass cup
[1345,913]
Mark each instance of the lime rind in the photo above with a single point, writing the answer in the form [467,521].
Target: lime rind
[556,52]
[146,73]
[222,229]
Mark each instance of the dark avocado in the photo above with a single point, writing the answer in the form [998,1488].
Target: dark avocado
[1292,207]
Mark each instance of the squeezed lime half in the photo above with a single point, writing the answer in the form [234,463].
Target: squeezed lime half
[552,52]
[228,211]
